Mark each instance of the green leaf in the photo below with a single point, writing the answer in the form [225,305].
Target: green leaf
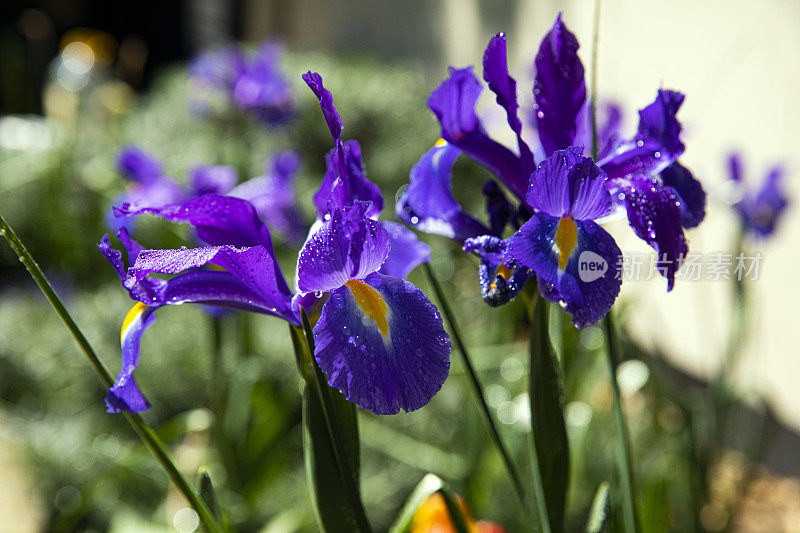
[330,444]
[329,495]
[458,518]
[427,486]
[547,417]
[207,491]
[601,508]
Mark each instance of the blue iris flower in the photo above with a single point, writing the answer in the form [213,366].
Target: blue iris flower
[378,338]
[641,174]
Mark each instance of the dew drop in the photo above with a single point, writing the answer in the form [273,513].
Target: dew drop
[563,304]
[318,294]
[415,220]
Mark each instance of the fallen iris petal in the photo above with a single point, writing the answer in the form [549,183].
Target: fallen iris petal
[690,192]
[125,394]
[406,251]
[589,282]
[402,368]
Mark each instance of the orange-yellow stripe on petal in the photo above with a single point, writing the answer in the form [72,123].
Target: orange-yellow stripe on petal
[440,142]
[566,239]
[503,272]
[135,311]
[371,303]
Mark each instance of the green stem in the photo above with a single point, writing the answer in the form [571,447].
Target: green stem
[476,388]
[593,101]
[142,428]
[622,440]
[334,431]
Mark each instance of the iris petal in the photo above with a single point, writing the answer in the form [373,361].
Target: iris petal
[406,251]
[654,215]
[588,284]
[495,72]
[125,395]
[402,369]
[559,88]
[690,193]
[428,202]
[567,182]
[656,145]
[453,103]
[347,245]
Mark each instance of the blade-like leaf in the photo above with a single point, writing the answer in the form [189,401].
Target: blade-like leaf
[427,486]
[547,417]
[329,495]
[601,507]
[207,491]
[330,443]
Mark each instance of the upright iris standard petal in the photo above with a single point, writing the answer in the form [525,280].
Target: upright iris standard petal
[353,182]
[125,395]
[576,262]
[406,252]
[314,81]
[567,182]
[495,72]
[453,103]
[559,88]
[655,216]
[428,202]
[690,193]
[656,145]
[208,179]
[382,343]
[347,245]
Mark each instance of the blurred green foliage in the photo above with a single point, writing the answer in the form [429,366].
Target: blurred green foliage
[225,392]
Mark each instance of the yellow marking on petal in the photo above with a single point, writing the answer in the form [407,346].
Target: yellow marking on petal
[132,315]
[503,272]
[217,268]
[566,239]
[371,303]
[441,142]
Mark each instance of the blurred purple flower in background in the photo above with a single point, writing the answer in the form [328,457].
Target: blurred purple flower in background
[760,209]
[224,78]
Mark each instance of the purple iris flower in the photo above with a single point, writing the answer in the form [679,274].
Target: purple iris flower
[761,209]
[272,194]
[254,84]
[660,196]
[378,337]
[575,260]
